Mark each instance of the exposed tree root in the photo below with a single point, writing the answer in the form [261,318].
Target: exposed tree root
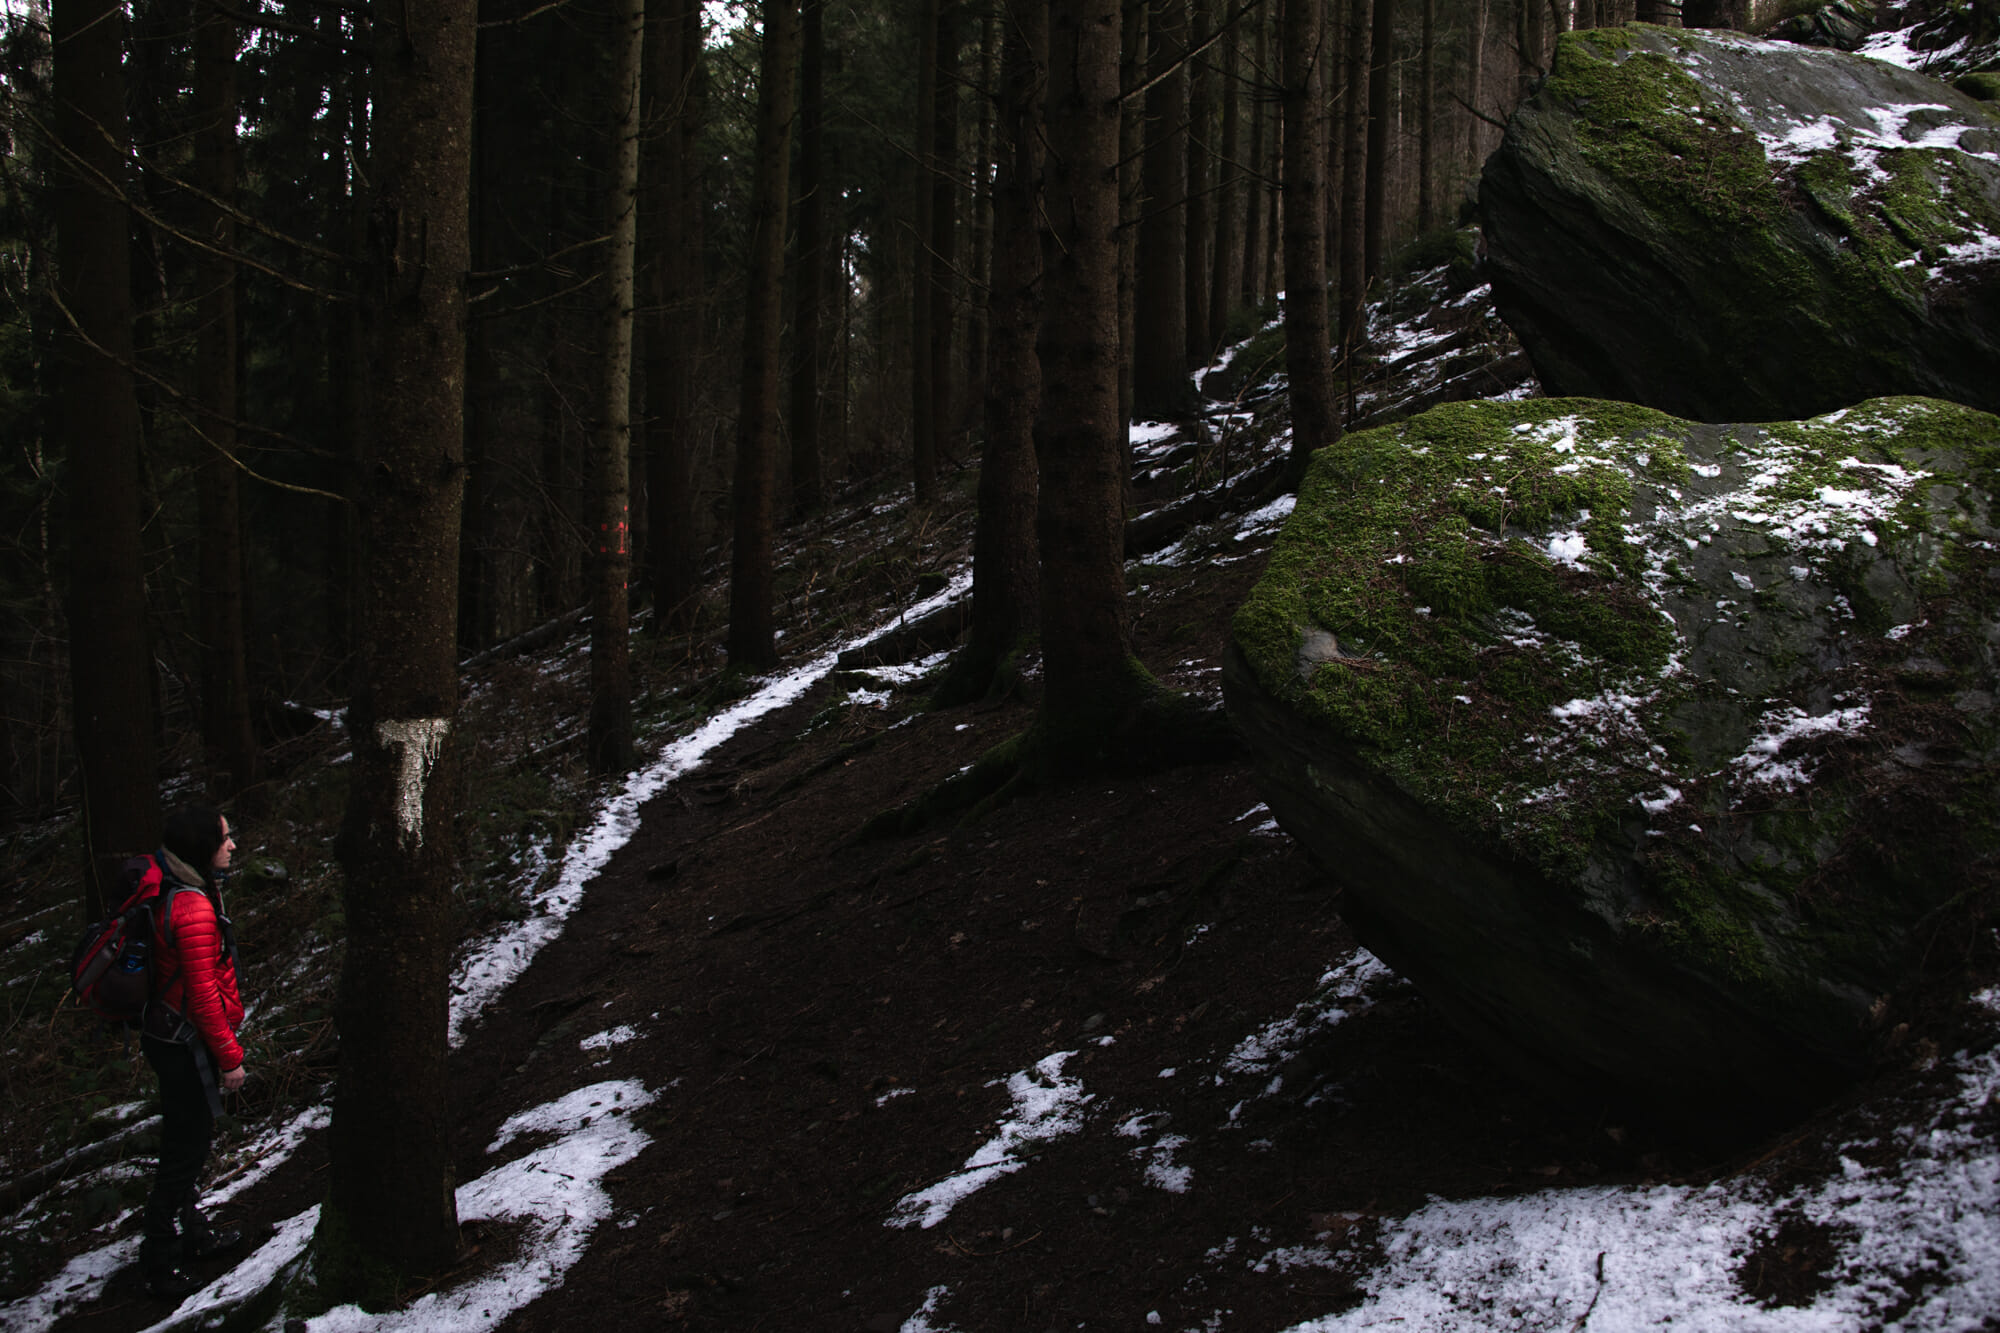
[1158,730]
[980,673]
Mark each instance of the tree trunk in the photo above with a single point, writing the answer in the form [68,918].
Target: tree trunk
[1255,238]
[1528,43]
[674,335]
[923,367]
[943,247]
[1475,91]
[1715,14]
[1334,41]
[1131,196]
[1004,569]
[979,262]
[1353,249]
[1426,121]
[1382,53]
[609,740]
[1308,361]
[1224,283]
[1200,187]
[809,281]
[751,642]
[390,1206]
[96,417]
[1087,663]
[1160,386]
[225,675]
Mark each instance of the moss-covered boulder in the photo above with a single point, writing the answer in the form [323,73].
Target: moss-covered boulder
[1740,230]
[1653,751]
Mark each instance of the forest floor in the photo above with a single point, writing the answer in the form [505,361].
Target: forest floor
[1105,1057]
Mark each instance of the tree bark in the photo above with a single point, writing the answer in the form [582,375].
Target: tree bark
[1160,388]
[1353,233]
[1224,284]
[1255,237]
[390,1206]
[1087,662]
[1475,90]
[1131,196]
[1381,54]
[672,91]
[1337,93]
[1308,343]
[751,628]
[943,246]
[225,674]
[979,226]
[1200,186]
[924,367]
[608,741]
[1528,43]
[1004,568]
[1715,14]
[96,416]
[809,281]
[1426,121]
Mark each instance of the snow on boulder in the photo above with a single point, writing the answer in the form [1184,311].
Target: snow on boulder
[1654,752]
[1740,230]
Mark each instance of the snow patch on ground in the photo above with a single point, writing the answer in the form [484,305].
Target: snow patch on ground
[491,965]
[1341,993]
[1668,1256]
[1046,1106]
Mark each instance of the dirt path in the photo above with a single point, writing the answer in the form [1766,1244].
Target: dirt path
[830,1027]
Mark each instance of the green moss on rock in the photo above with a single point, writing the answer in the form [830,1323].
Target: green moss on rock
[1658,748]
[1568,624]
[1741,230]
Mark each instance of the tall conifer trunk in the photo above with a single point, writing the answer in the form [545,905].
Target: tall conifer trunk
[1224,284]
[1255,235]
[1131,195]
[1308,342]
[390,1204]
[751,627]
[225,676]
[923,366]
[979,259]
[1426,121]
[97,420]
[1004,568]
[1354,167]
[1160,386]
[809,280]
[1376,224]
[1200,190]
[943,247]
[672,214]
[1085,627]
[609,741]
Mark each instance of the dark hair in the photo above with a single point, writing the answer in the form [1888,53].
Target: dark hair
[194,834]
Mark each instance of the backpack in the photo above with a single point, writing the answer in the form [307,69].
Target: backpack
[111,971]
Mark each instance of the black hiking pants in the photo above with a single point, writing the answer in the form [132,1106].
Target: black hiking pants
[186,1124]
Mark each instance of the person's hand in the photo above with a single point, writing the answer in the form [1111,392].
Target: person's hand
[232,1079]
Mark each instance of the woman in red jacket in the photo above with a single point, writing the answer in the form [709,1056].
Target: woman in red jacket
[190,1040]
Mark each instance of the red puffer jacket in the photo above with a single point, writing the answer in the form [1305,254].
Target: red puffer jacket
[198,975]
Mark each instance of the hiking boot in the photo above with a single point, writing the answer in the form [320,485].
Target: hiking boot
[208,1242]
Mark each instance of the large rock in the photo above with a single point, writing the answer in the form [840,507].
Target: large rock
[1653,751]
[1737,230]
